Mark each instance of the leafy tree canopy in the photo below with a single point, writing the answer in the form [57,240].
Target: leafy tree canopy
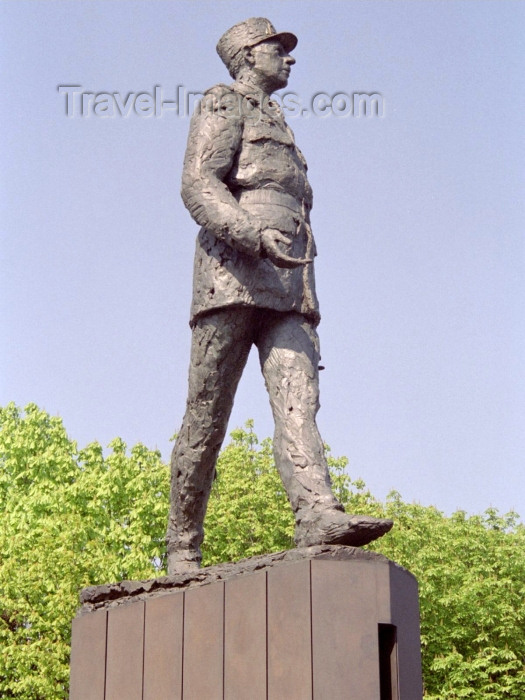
[72,518]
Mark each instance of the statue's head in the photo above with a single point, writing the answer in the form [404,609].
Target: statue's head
[239,48]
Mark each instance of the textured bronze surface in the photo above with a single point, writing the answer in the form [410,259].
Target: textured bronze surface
[245,184]
[112,594]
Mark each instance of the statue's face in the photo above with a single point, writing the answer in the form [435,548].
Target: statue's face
[271,64]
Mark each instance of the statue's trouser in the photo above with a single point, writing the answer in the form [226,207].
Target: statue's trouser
[288,348]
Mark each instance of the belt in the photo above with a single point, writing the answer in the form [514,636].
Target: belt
[276,197]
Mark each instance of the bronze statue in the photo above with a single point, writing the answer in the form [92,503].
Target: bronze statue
[244,182]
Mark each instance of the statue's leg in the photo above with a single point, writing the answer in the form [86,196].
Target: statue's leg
[220,346]
[289,355]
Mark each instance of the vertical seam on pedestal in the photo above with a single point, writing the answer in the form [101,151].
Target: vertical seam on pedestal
[143,649]
[267,635]
[183,645]
[311,630]
[106,655]
[223,635]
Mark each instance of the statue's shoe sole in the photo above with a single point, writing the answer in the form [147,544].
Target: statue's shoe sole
[353,531]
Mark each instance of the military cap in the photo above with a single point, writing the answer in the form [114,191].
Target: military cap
[250,33]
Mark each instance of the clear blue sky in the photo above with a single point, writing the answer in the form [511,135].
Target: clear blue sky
[418,217]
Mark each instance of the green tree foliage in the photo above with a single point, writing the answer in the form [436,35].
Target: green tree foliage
[69,519]
[471,574]
[72,518]
[248,512]
[471,570]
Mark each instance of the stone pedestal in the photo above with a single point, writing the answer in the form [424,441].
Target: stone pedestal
[322,623]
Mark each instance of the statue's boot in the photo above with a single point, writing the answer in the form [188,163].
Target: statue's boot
[184,561]
[336,527]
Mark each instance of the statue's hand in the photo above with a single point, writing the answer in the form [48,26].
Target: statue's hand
[270,239]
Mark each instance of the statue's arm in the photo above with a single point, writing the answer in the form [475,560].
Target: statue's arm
[212,144]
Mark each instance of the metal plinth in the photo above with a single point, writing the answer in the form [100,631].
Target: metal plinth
[312,629]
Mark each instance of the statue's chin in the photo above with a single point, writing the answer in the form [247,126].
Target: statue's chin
[279,84]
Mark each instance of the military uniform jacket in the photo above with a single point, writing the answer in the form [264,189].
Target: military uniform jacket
[243,173]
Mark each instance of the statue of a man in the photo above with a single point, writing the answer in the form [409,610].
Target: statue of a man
[244,182]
